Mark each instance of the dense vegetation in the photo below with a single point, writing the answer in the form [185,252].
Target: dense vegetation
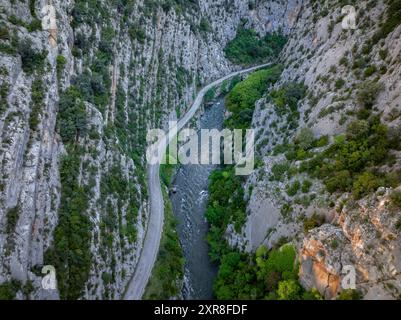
[70,254]
[72,115]
[226,205]
[242,98]
[249,48]
[265,275]
[349,165]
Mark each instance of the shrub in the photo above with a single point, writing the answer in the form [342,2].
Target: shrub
[279,170]
[366,183]
[305,138]
[358,130]
[4,33]
[340,181]
[368,93]
[313,222]
[306,185]
[349,295]
[321,142]
[396,198]
[339,83]
[289,290]
[137,33]
[61,61]
[204,25]
[398,224]
[31,59]
[12,219]
[369,71]
[294,188]
[8,290]
[289,95]
[72,115]
[36,103]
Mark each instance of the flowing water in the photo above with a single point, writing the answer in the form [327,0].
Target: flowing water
[189,204]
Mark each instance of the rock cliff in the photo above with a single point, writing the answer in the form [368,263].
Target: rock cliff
[81,82]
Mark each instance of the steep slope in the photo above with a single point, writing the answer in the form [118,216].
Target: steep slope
[331,189]
[76,101]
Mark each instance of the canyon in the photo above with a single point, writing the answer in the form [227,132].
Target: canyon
[78,97]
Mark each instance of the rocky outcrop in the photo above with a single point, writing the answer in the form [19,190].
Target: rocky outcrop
[366,238]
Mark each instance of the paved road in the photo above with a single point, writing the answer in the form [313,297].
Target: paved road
[137,285]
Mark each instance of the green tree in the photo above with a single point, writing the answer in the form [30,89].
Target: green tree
[288,290]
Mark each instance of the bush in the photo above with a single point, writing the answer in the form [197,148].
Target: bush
[137,33]
[204,25]
[72,115]
[306,185]
[8,290]
[305,138]
[294,189]
[286,100]
[398,223]
[321,142]
[396,198]
[366,183]
[12,216]
[4,33]
[358,130]
[279,171]
[349,295]
[36,103]
[31,59]
[339,83]
[340,181]
[368,93]
[369,71]
[61,61]
[313,222]
[289,290]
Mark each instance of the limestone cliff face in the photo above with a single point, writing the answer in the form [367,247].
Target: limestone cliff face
[76,100]
[331,62]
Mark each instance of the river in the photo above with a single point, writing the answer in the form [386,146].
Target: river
[189,206]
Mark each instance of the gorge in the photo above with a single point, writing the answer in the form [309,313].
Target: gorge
[79,94]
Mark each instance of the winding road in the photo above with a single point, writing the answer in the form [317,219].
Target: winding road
[150,249]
